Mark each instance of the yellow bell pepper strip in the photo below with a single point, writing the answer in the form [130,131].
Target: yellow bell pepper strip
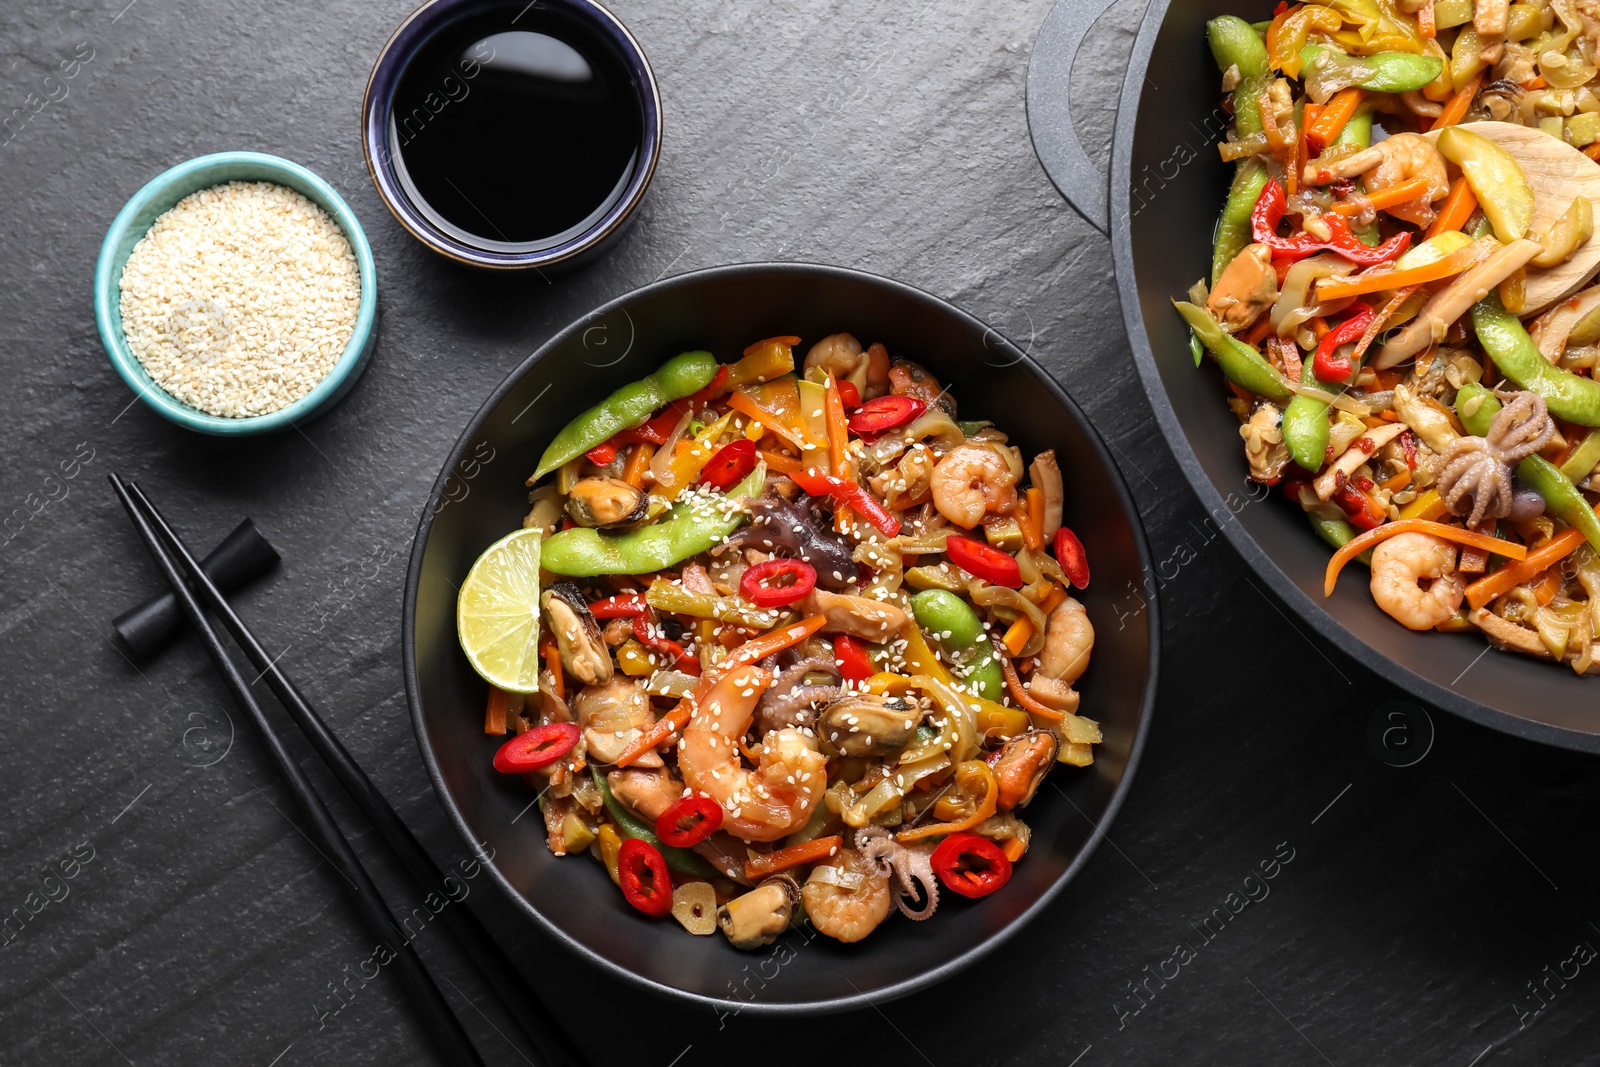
[1283,49]
[762,864]
[762,362]
[776,405]
[1503,337]
[975,773]
[1361,543]
[1510,576]
[1427,505]
[680,376]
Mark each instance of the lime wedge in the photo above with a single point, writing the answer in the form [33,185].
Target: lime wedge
[497,614]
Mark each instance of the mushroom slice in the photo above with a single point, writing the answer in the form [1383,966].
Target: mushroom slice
[584,654]
[607,503]
[868,724]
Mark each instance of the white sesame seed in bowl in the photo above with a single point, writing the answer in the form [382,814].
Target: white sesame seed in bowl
[236,294]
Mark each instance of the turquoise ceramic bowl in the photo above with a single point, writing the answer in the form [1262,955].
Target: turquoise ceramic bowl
[159,195]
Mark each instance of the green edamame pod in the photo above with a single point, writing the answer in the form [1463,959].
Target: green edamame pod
[1242,364]
[1234,42]
[681,860]
[1384,72]
[956,627]
[675,379]
[1561,498]
[1566,394]
[1306,426]
[691,527]
[1233,228]
[1337,533]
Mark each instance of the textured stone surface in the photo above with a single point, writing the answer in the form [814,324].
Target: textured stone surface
[205,929]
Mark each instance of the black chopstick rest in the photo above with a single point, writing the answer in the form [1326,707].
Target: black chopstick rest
[241,556]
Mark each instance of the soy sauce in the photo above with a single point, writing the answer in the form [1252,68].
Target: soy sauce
[516,129]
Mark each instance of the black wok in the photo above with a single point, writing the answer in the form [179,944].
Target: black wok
[1165,190]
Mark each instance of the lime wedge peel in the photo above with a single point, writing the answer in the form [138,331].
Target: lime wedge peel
[497,613]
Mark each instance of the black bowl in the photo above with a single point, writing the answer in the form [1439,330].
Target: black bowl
[1166,189]
[480,496]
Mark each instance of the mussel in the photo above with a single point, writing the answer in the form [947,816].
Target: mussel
[584,654]
[607,503]
[868,724]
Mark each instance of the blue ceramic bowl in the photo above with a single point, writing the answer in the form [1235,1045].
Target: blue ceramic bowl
[377,134]
[161,194]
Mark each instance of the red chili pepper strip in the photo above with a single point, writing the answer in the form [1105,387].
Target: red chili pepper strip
[621,606]
[602,453]
[1362,509]
[884,414]
[650,637]
[1269,211]
[983,561]
[755,584]
[844,491]
[849,395]
[642,870]
[702,814]
[730,464]
[1074,561]
[1324,364]
[536,748]
[967,864]
[850,656]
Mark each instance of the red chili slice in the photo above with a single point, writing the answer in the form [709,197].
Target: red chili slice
[653,638]
[764,585]
[884,414]
[1070,554]
[536,748]
[703,815]
[642,870]
[984,561]
[849,395]
[850,656]
[730,464]
[602,453]
[970,865]
[621,606]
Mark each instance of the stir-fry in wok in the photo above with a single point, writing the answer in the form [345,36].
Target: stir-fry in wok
[1368,301]
[803,645]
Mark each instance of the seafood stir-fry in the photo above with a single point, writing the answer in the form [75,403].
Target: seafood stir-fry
[804,644]
[1371,301]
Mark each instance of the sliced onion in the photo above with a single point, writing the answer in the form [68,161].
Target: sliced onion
[1331,71]
[993,596]
[835,876]
[1292,307]
[1551,330]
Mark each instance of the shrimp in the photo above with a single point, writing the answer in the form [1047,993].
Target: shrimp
[1414,580]
[1389,162]
[847,912]
[777,797]
[840,355]
[1069,638]
[972,481]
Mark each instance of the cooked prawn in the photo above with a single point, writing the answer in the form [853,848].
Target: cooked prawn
[841,355]
[1069,638]
[777,797]
[972,481]
[847,912]
[1414,580]
[1389,162]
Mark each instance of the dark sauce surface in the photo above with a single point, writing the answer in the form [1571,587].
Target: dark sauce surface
[515,131]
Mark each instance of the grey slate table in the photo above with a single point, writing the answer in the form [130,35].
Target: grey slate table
[1431,902]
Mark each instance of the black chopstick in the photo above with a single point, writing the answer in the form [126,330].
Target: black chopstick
[436,1016]
[536,1022]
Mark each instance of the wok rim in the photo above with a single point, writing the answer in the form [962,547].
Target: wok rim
[926,978]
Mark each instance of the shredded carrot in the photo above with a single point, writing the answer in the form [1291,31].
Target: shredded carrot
[781,463]
[1426,25]
[1381,319]
[1399,481]
[1400,193]
[1458,206]
[1544,590]
[1259,331]
[1377,281]
[494,719]
[1592,151]
[1512,575]
[1361,542]
[1456,109]
[1014,847]
[762,864]
[838,443]
[638,462]
[740,401]
[769,644]
[552,663]
[1017,635]
[1536,83]
[1018,692]
[1319,326]
[667,725]
[1335,114]
[1032,520]
[1472,561]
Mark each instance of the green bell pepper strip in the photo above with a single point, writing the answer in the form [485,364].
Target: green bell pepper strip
[1234,42]
[1306,426]
[1242,364]
[1386,72]
[675,379]
[959,631]
[1583,460]
[1566,394]
[681,860]
[693,525]
[1563,499]
[1233,228]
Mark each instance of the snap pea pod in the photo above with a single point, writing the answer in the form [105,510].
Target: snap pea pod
[1563,499]
[692,526]
[1233,228]
[1566,394]
[1384,72]
[959,631]
[681,860]
[1337,533]
[675,379]
[1306,426]
[1358,132]
[1241,363]
[1235,43]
